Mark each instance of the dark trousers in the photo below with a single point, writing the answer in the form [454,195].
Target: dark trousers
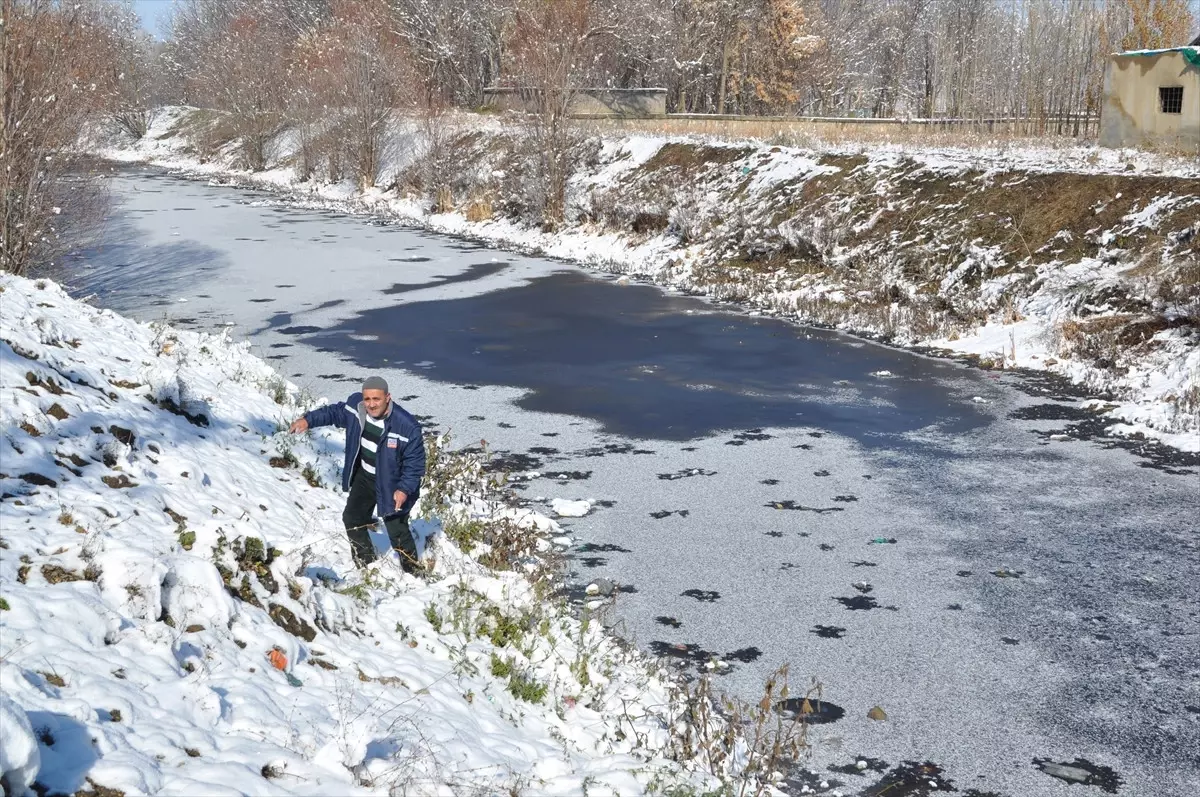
[358,517]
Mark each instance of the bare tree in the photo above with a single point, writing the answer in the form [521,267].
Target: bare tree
[130,78]
[551,52]
[371,72]
[49,53]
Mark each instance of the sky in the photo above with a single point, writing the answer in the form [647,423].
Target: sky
[151,11]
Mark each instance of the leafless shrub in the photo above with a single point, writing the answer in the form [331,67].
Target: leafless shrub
[715,726]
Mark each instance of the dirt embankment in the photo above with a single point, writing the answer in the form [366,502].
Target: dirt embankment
[905,246]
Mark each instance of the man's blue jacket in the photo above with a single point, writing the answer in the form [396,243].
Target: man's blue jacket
[399,461]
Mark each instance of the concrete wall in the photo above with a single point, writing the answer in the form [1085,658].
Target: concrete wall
[1131,116]
[598,103]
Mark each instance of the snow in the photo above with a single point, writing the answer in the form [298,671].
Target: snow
[128,662]
[565,508]
[19,758]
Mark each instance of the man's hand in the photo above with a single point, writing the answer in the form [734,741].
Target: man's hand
[299,425]
[400,497]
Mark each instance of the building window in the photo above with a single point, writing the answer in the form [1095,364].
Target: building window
[1170,99]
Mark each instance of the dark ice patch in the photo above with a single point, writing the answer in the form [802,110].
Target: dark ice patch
[671,622]
[810,710]
[686,473]
[689,653]
[859,603]
[607,547]
[792,505]
[828,631]
[261,301]
[770,482]
[570,475]
[302,329]
[821,473]
[613,448]
[744,655]
[510,462]
[702,595]
[1050,412]
[913,779]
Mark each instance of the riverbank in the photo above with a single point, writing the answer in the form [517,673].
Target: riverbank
[177,616]
[1085,264]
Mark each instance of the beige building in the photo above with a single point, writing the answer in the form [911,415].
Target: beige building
[1152,98]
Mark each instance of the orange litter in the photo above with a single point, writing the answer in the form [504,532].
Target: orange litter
[278,659]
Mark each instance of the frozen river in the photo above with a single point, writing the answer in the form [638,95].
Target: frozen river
[914,534]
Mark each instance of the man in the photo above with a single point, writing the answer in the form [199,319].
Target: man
[385,460]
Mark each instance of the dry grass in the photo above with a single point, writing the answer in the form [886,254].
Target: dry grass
[812,134]
[479,207]
[444,200]
[816,134]
[1106,339]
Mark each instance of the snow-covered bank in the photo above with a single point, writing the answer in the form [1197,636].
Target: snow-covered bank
[172,618]
[1092,272]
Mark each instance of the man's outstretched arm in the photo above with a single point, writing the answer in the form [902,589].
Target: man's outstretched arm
[329,415]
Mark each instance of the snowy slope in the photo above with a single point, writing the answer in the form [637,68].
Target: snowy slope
[737,221]
[173,620]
